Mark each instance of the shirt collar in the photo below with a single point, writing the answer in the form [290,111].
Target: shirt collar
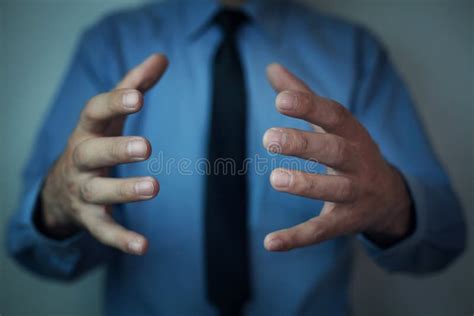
[198,14]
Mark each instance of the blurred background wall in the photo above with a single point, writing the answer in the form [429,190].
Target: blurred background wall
[431,41]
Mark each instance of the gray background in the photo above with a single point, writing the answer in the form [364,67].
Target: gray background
[430,41]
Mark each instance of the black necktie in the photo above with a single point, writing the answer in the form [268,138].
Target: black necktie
[226,253]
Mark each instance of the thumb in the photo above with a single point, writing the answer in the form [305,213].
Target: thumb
[105,113]
[282,79]
[145,75]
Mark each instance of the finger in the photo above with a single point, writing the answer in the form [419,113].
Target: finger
[101,109]
[104,228]
[332,188]
[328,149]
[281,79]
[99,190]
[145,75]
[328,114]
[317,229]
[295,99]
[110,151]
[126,99]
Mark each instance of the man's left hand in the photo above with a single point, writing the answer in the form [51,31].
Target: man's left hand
[363,193]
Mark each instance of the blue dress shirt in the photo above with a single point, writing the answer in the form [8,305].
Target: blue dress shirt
[336,59]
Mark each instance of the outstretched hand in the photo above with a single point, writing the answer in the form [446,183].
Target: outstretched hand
[78,193]
[361,190]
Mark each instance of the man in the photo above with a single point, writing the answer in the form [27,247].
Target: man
[339,104]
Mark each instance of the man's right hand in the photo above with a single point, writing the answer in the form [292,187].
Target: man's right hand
[77,193]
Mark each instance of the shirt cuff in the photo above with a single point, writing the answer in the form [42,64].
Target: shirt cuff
[402,254]
[46,255]
[43,238]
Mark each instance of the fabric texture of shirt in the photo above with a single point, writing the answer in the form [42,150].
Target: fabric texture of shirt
[336,59]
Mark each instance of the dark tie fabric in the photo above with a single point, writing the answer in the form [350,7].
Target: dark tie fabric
[226,245]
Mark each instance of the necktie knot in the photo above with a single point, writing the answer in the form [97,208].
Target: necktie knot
[230,20]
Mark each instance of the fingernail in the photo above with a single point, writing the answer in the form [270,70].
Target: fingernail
[130,99]
[135,246]
[275,244]
[144,188]
[274,140]
[280,178]
[286,100]
[137,148]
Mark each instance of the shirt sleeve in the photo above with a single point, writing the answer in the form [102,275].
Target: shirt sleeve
[63,259]
[383,104]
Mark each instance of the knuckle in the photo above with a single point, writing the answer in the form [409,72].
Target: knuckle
[80,214]
[346,190]
[309,185]
[301,143]
[295,183]
[110,236]
[78,155]
[87,191]
[73,140]
[98,231]
[76,209]
[291,143]
[304,103]
[306,185]
[107,234]
[289,237]
[118,150]
[352,189]
[317,232]
[337,115]
[87,112]
[314,230]
[338,151]
[126,190]
[71,186]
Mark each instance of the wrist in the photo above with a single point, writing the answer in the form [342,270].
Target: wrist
[53,224]
[398,220]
